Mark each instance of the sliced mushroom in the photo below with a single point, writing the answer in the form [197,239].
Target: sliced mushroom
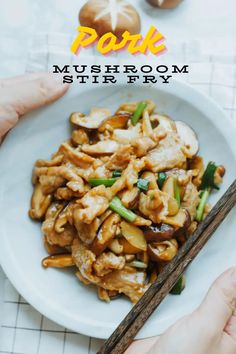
[173,206]
[130,197]
[118,121]
[77,158]
[103,294]
[219,174]
[163,251]
[189,137]
[53,249]
[61,239]
[129,257]
[140,221]
[187,222]
[197,164]
[105,234]
[177,220]
[182,232]
[192,227]
[143,257]
[115,246]
[126,136]
[79,136]
[134,235]
[127,247]
[65,216]
[58,261]
[39,203]
[168,186]
[93,121]
[159,232]
[164,122]
[137,264]
[105,147]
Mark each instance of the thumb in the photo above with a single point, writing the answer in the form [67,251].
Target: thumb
[220,303]
[21,95]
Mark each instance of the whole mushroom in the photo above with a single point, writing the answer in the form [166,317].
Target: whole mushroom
[163,251]
[116,16]
[164,4]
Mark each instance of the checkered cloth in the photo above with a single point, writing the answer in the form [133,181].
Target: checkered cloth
[24,330]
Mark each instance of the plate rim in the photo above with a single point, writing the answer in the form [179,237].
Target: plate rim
[177,88]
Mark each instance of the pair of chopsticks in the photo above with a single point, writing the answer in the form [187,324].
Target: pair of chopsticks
[122,337]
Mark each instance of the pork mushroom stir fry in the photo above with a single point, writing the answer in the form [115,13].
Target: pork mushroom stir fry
[120,197]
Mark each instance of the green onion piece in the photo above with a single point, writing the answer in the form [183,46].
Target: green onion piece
[201,194]
[179,286]
[208,177]
[177,191]
[137,264]
[161,179]
[108,182]
[138,112]
[202,204]
[117,206]
[143,184]
[116,173]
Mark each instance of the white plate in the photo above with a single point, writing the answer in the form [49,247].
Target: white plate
[1,295]
[58,294]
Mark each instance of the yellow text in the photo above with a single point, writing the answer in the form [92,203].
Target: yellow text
[108,43]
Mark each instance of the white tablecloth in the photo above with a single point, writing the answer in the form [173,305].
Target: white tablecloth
[34,35]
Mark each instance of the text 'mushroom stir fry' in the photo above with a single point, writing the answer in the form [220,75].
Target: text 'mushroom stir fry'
[121,196]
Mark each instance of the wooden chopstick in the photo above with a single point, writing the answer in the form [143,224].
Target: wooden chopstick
[122,337]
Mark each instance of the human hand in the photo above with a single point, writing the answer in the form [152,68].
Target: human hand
[22,94]
[211,329]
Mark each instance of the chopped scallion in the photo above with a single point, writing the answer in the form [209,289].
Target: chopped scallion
[161,179]
[116,173]
[179,286]
[143,184]
[177,191]
[208,177]
[202,204]
[108,182]
[138,112]
[117,206]
[137,264]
